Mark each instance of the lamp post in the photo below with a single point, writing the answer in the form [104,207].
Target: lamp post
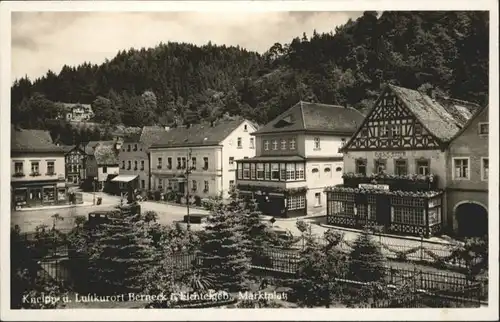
[188,171]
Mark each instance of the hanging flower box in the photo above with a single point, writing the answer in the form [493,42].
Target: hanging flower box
[396,182]
[399,193]
[18,174]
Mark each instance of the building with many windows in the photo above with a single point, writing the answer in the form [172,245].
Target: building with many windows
[395,164]
[297,157]
[134,157]
[468,172]
[37,169]
[75,158]
[206,153]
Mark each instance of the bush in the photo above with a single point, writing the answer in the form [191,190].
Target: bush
[366,260]
[197,201]
[157,195]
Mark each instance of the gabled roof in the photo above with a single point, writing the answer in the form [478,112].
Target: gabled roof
[151,134]
[305,116]
[442,117]
[32,141]
[471,120]
[197,134]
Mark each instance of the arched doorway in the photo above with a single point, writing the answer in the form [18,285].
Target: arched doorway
[472,220]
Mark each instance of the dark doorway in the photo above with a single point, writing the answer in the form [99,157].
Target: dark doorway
[472,220]
[383,206]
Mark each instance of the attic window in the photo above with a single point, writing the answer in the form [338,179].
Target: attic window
[245,128]
[284,122]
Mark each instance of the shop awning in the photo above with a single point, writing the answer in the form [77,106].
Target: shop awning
[124,178]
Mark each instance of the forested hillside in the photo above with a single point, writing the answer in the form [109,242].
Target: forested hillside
[175,83]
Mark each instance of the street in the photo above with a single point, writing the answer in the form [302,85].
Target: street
[29,220]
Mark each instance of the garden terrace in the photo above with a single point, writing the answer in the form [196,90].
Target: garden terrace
[413,182]
[417,213]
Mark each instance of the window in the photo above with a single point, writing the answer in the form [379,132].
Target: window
[461,168]
[401,167]
[18,168]
[252,171]
[128,148]
[245,128]
[407,215]
[485,166]
[299,171]
[231,184]
[328,171]
[290,171]
[423,167]
[275,145]
[361,166]
[123,164]
[129,165]
[240,146]
[35,167]
[246,170]
[267,171]
[483,128]
[169,163]
[292,144]
[159,163]
[283,171]
[260,171]
[231,162]
[342,142]
[317,199]
[184,163]
[142,164]
[50,168]
[275,171]
[418,129]
[266,145]
[317,143]
[296,202]
[205,163]
[194,185]
[283,144]
[384,131]
[338,169]
[252,145]
[380,165]
[206,186]
[179,164]
[135,165]
[193,163]
[240,171]
[395,130]
[135,147]
[104,169]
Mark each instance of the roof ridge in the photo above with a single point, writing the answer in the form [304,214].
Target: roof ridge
[302,115]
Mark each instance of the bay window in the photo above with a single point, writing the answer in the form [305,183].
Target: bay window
[246,170]
[299,171]
[275,171]
[267,171]
[290,171]
[260,171]
[283,171]
[252,171]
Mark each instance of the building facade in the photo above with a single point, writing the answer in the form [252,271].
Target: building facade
[37,170]
[134,157]
[101,163]
[75,158]
[201,159]
[76,112]
[395,164]
[468,173]
[297,157]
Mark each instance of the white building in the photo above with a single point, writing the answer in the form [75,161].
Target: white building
[210,150]
[297,157]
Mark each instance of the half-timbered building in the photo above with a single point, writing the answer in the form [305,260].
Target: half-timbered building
[297,156]
[395,164]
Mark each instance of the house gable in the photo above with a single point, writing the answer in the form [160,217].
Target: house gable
[391,125]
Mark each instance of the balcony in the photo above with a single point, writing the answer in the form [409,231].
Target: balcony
[411,182]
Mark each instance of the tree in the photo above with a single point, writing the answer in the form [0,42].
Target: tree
[366,261]
[222,252]
[320,266]
[119,254]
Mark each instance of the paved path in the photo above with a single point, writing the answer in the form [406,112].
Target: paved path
[29,220]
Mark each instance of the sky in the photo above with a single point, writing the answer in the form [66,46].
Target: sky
[49,40]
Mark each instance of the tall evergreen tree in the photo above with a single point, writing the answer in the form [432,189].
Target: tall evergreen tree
[366,261]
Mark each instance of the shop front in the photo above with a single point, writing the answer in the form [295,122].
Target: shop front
[37,194]
[124,183]
[417,213]
[277,202]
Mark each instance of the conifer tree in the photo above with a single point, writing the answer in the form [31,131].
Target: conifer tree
[366,260]
[222,253]
[119,253]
